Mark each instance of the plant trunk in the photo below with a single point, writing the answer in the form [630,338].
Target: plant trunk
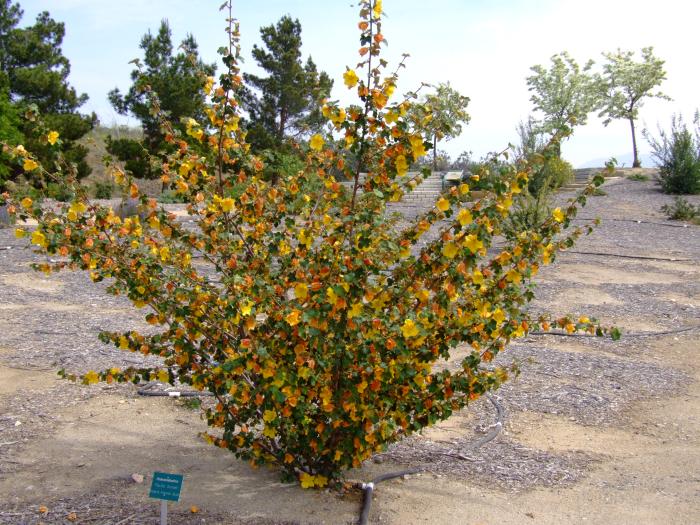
[635,163]
[283,124]
[434,153]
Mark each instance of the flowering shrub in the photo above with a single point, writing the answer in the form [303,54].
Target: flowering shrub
[312,316]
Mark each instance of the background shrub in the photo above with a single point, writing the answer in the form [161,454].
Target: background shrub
[681,210]
[104,189]
[59,191]
[553,174]
[677,154]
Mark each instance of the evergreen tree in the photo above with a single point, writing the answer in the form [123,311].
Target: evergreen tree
[286,103]
[34,74]
[178,81]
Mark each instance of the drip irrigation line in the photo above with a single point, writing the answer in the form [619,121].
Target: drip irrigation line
[637,221]
[368,488]
[644,257]
[625,334]
[148,390]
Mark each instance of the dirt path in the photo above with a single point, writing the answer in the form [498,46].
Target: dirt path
[596,432]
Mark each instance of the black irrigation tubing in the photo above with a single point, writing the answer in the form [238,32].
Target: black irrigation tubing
[637,221]
[368,488]
[624,334]
[644,257]
[148,390]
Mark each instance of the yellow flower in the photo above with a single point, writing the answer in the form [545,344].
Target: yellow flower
[417,146]
[293,317]
[355,310]
[513,276]
[52,137]
[91,378]
[464,217]
[339,117]
[450,250]
[227,204]
[246,308]
[499,316]
[350,78]
[547,253]
[377,10]
[208,85]
[39,239]
[409,329]
[19,233]
[423,295]
[301,291]
[269,415]
[391,116]
[30,165]
[316,143]
[163,376]
[443,204]
[473,243]
[26,203]
[379,98]
[332,297]
[401,165]
[307,480]
[477,277]
[558,215]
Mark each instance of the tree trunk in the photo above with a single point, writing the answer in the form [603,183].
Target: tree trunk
[635,163]
[434,153]
[283,124]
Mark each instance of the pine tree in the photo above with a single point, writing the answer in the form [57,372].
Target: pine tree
[286,103]
[35,73]
[176,79]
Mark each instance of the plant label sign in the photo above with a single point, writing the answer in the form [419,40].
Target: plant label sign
[166,486]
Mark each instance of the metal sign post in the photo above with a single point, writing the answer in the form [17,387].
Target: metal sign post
[165,487]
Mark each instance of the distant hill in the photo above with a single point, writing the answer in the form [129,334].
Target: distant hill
[623,161]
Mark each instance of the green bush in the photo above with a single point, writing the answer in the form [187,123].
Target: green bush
[171,197]
[528,213]
[681,210]
[639,177]
[678,156]
[59,192]
[134,155]
[104,189]
[554,173]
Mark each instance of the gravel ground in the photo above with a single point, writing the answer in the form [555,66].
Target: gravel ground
[52,322]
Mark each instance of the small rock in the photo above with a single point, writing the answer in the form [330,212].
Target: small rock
[137,478]
[18,423]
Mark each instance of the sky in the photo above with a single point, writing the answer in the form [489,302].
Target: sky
[483,48]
